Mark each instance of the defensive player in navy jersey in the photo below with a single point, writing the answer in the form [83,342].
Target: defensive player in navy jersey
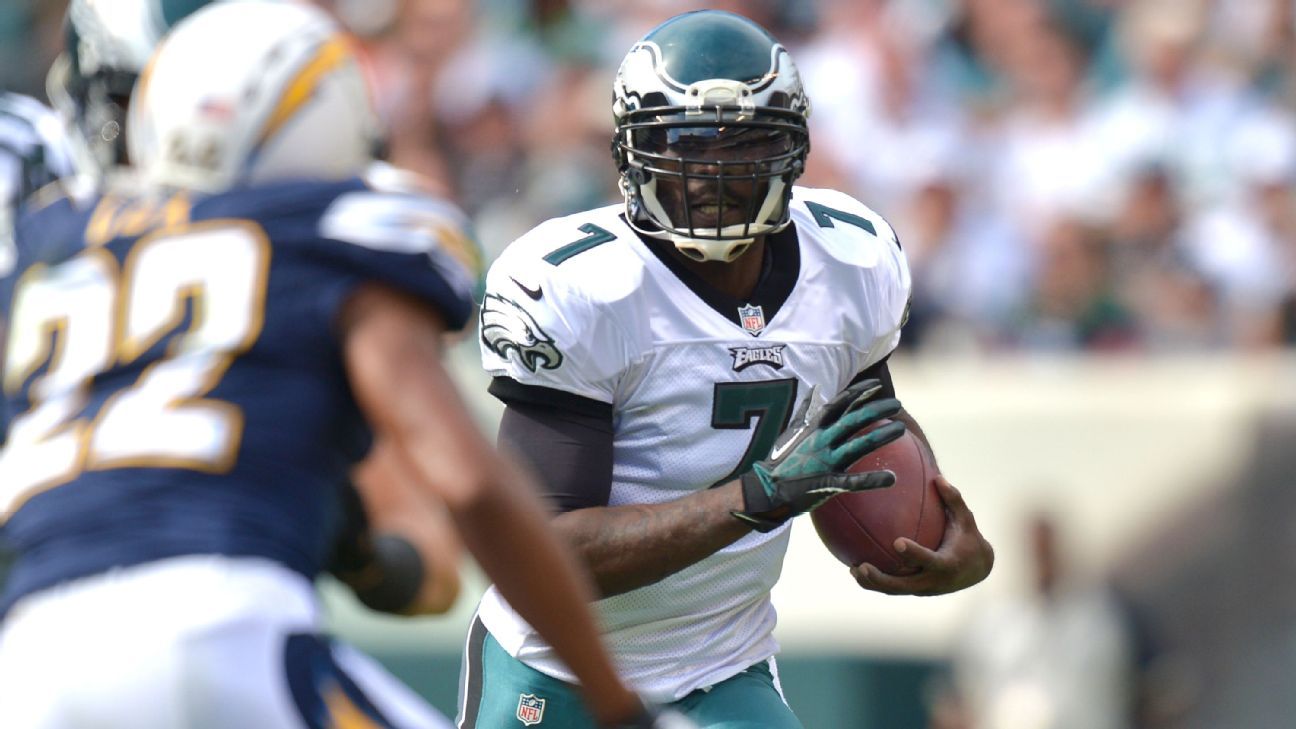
[104,53]
[191,369]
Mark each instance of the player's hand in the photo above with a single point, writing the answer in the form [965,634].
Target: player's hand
[808,463]
[659,718]
[963,559]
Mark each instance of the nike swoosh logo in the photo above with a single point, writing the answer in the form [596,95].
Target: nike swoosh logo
[535,293]
[800,417]
[777,453]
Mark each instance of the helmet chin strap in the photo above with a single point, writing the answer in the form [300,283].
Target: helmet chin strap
[705,249]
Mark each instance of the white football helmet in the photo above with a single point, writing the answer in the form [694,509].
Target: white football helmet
[710,120]
[248,91]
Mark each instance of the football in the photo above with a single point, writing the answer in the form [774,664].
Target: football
[863,527]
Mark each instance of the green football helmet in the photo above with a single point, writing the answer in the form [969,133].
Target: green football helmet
[711,133]
[106,46]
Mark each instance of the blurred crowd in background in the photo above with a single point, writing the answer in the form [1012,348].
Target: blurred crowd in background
[1110,175]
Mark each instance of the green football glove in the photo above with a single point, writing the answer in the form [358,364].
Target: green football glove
[808,463]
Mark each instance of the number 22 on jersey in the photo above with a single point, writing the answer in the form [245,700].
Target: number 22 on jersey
[84,317]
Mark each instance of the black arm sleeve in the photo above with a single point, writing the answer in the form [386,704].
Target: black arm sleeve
[565,439]
[881,372]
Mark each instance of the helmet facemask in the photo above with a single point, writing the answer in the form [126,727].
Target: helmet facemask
[710,181]
[711,133]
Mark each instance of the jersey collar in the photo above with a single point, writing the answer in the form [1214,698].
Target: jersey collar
[779,272]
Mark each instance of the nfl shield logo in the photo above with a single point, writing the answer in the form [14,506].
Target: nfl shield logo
[752,318]
[530,709]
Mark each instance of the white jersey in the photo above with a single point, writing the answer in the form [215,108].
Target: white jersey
[699,391]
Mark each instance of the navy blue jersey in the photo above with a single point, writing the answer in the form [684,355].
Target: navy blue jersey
[173,375]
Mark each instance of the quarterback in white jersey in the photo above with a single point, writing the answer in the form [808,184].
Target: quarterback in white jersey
[685,372]
[700,390]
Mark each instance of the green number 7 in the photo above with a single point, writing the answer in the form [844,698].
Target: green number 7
[737,404]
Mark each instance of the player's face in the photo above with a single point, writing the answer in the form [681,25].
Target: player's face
[722,181]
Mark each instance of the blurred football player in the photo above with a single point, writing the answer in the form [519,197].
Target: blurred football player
[106,47]
[650,354]
[191,367]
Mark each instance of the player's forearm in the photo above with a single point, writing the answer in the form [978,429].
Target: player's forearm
[504,525]
[551,594]
[393,358]
[628,547]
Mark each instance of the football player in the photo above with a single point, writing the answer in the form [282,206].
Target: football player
[650,354]
[192,366]
[106,47]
